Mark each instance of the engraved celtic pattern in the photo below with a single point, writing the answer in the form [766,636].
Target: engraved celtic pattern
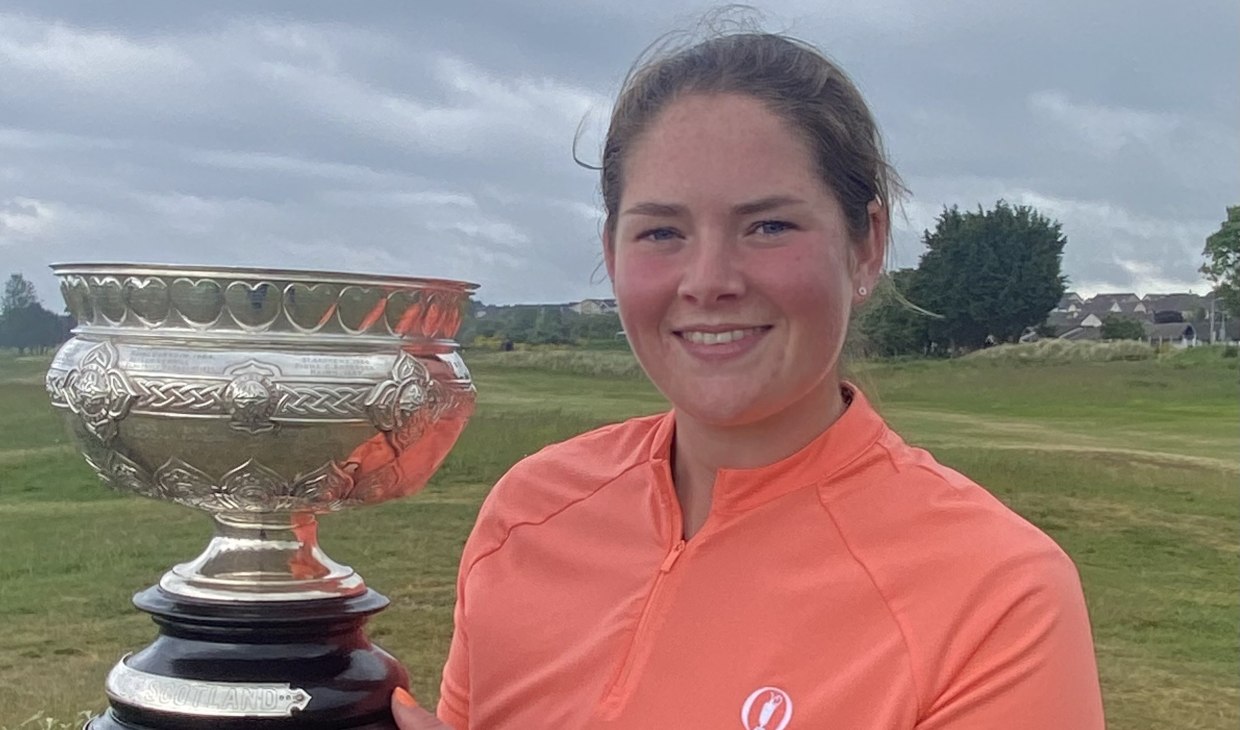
[308,400]
[178,396]
[54,381]
[251,395]
[257,301]
[98,391]
[393,402]
[248,487]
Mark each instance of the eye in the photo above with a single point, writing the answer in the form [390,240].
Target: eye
[772,228]
[659,234]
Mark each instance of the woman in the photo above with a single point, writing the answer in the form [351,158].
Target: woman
[768,551]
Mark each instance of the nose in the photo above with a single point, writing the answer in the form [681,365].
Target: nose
[712,271]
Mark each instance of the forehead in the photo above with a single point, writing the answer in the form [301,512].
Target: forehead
[723,144]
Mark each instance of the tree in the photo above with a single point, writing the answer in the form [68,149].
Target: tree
[887,326]
[989,273]
[24,324]
[18,293]
[1222,266]
[549,327]
[520,323]
[1122,328]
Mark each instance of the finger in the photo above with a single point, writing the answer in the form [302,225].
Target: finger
[409,716]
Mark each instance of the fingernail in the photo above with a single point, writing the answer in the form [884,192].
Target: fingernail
[403,697]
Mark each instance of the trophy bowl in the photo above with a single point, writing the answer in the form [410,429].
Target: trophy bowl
[265,398]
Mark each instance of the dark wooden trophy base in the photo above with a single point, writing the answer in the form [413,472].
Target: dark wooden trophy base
[317,647]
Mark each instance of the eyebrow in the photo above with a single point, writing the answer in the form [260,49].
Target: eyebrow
[670,210]
[765,204]
[658,210]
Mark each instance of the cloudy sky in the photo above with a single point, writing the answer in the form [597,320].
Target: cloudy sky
[435,138]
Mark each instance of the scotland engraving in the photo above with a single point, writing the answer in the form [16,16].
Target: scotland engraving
[204,699]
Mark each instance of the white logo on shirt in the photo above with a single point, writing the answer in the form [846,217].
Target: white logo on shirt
[768,708]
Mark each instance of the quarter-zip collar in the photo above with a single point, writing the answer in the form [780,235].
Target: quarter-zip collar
[739,490]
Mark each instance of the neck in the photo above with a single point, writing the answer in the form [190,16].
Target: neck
[701,449]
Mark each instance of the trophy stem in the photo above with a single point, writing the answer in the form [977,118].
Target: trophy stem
[263,557]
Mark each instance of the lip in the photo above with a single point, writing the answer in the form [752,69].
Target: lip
[717,328]
[720,352]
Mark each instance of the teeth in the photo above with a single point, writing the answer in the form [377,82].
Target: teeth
[717,338]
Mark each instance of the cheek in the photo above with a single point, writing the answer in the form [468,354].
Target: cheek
[644,285]
[806,286]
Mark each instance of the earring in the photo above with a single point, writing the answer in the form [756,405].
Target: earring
[862,290]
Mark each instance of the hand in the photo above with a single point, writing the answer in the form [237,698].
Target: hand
[411,717]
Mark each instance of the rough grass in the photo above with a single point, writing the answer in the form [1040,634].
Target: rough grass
[1065,351]
[1130,465]
[602,363]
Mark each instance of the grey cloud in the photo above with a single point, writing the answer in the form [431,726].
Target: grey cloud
[437,139]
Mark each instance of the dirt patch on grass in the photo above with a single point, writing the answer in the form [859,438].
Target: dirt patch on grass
[1029,436]
[1119,456]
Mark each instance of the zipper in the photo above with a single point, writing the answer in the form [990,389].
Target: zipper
[616,691]
[677,550]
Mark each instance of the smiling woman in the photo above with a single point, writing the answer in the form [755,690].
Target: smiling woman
[769,548]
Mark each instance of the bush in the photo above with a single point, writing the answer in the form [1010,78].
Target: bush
[1063,351]
[1202,356]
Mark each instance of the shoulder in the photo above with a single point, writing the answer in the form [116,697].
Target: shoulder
[953,563]
[904,505]
[562,474]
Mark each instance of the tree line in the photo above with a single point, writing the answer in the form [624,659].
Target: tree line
[25,324]
[538,324]
[986,277]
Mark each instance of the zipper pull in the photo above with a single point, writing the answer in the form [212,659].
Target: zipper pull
[672,557]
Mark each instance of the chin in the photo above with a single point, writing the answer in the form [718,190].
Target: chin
[724,412]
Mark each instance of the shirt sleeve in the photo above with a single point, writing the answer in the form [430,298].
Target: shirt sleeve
[1034,668]
[454,688]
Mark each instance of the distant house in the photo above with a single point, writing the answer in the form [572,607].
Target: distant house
[1188,305]
[1070,302]
[1168,319]
[1175,334]
[481,310]
[1164,316]
[1125,303]
[1082,334]
[1060,321]
[594,306]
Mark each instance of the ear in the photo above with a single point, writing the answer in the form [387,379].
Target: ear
[871,253]
[609,252]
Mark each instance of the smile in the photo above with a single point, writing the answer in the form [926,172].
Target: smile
[699,337]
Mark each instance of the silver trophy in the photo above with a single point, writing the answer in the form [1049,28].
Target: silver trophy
[265,398]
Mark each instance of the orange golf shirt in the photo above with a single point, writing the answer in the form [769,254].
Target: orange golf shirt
[856,584]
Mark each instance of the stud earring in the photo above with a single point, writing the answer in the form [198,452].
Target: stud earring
[862,290]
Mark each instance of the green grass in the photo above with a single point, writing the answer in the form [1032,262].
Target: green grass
[1131,466]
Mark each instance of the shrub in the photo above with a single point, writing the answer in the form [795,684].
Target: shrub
[1063,351]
